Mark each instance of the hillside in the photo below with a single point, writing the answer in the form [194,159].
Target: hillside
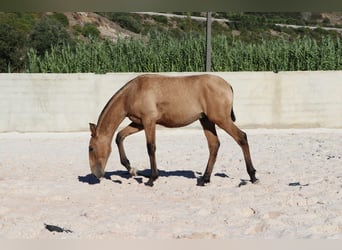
[22,32]
[114,25]
[106,27]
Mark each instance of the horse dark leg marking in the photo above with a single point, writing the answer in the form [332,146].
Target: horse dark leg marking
[213,144]
[243,142]
[129,130]
[150,132]
[241,138]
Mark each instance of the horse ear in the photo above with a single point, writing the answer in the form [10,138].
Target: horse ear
[92,127]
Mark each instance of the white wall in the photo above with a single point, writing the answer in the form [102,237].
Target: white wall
[68,102]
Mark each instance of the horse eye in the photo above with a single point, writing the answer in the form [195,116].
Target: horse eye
[91,149]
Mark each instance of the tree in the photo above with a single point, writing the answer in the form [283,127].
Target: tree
[12,49]
[47,33]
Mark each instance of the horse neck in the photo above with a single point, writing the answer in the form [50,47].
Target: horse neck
[111,117]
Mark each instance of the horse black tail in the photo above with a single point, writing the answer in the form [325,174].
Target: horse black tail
[232,115]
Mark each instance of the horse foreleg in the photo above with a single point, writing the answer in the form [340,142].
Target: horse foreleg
[150,132]
[129,130]
[213,144]
[241,138]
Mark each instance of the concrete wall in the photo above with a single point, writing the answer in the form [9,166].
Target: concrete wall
[68,102]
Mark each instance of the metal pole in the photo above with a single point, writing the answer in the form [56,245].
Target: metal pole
[208,44]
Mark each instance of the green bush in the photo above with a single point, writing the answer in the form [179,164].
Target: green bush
[22,22]
[90,30]
[60,17]
[14,28]
[160,19]
[12,49]
[48,32]
[131,22]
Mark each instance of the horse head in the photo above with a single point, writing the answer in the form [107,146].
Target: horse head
[99,151]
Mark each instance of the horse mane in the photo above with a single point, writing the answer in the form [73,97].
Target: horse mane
[111,101]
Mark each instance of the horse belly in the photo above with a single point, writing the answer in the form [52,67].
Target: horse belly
[178,117]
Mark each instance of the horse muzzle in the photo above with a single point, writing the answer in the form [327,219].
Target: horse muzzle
[98,172]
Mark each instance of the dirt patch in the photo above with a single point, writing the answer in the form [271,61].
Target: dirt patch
[107,28]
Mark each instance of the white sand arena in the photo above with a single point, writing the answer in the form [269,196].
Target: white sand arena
[45,178]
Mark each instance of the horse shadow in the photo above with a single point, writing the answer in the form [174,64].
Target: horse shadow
[89,178]
[169,173]
[92,180]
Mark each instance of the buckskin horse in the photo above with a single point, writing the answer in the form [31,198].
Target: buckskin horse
[152,99]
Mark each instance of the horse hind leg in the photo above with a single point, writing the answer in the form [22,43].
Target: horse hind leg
[213,144]
[132,128]
[241,138]
[150,133]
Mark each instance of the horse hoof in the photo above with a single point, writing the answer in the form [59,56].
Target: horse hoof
[149,184]
[255,181]
[133,172]
[201,182]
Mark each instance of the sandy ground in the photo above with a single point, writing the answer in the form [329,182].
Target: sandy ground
[44,178]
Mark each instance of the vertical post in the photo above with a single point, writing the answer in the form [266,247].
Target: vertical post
[208,44]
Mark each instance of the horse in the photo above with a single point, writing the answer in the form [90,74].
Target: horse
[170,101]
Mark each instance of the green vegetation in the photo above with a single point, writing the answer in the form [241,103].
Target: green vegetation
[48,32]
[14,28]
[129,21]
[278,55]
[12,43]
[61,18]
[90,30]
[160,53]
[164,53]
[47,42]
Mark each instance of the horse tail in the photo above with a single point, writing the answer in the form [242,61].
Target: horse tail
[232,115]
